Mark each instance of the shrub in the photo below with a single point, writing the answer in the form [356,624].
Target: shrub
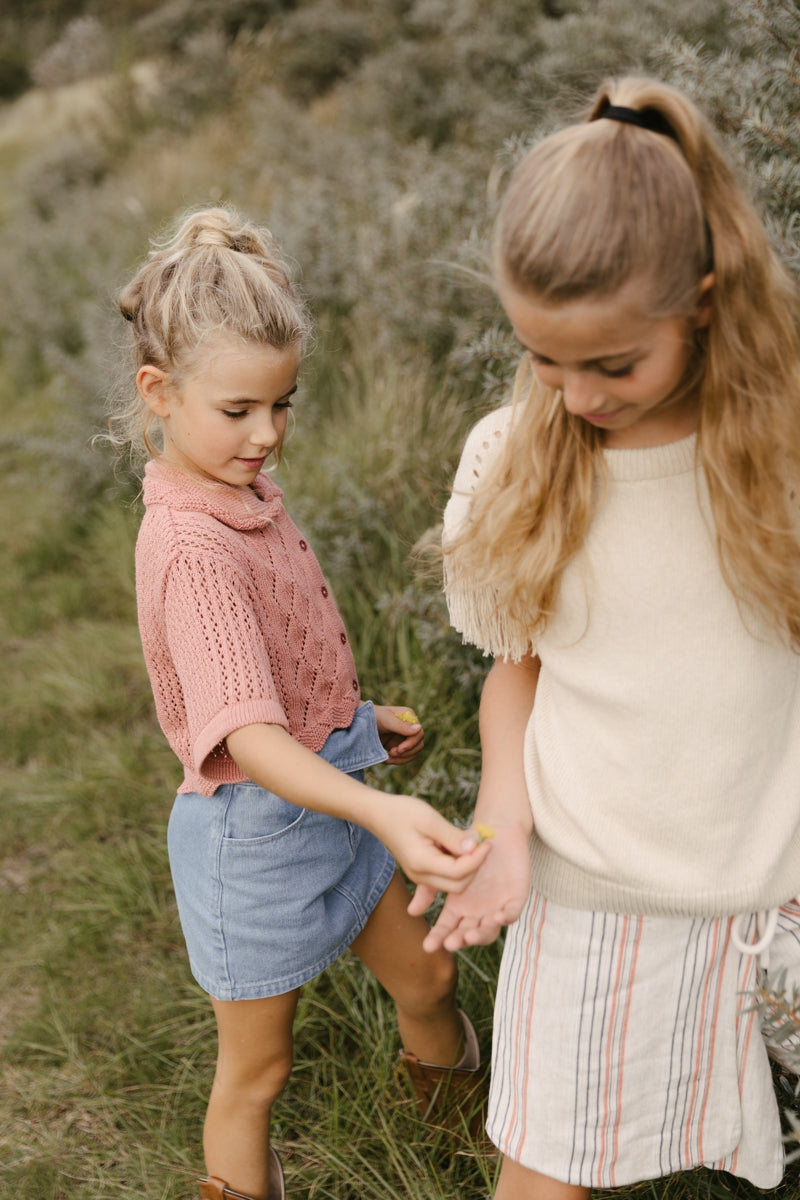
[172,25]
[79,160]
[200,80]
[752,93]
[316,47]
[83,49]
[453,66]
[15,76]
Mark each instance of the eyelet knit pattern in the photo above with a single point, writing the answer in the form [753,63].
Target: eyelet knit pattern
[237,622]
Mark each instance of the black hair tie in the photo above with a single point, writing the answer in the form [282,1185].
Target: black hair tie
[645,118]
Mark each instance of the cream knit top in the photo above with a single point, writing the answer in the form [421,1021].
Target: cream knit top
[662,756]
[238,625]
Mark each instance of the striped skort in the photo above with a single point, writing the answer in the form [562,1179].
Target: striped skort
[626,1048]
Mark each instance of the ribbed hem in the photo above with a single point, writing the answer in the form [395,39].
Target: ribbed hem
[566,884]
[251,712]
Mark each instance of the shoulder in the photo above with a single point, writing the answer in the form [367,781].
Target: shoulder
[173,540]
[184,526]
[484,443]
[482,447]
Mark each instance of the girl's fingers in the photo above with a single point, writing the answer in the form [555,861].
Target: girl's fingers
[449,931]
[459,842]
[422,899]
[451,874]
[407,748]
[483,934]
[433,941]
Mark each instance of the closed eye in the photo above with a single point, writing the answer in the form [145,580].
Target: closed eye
[616,372]
[236,414]
[538,360]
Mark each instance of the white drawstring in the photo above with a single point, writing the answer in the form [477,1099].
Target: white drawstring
[764,939]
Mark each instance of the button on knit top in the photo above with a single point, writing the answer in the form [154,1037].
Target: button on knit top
[662,756]
[238,625]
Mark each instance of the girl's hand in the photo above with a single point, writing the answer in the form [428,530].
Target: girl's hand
[494,897]
[400,732]
[432,852]
[429,849]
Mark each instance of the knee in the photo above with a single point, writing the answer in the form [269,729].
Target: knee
[255,1083]
[432,985]
[266,1089]
[444,976]
[268,1082]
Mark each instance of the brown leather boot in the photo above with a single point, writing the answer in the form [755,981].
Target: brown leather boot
[215,1189]
[451,1097]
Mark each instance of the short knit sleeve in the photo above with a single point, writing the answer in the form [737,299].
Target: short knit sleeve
[473,610]
[219,654]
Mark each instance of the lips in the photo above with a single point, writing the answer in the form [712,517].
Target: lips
[252,464]
[600,418]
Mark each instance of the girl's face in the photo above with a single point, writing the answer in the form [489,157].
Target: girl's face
[229,414]
[621,371]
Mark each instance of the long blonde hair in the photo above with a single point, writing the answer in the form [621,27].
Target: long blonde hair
[217,273]
[583,211]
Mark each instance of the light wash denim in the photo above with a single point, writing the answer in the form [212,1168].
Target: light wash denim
[270,894]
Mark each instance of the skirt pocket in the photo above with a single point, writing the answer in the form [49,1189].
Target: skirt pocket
[254,814]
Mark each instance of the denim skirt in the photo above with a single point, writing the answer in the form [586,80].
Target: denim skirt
[270,894]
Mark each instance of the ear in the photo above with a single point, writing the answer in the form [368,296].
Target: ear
[152,384]
[705,302]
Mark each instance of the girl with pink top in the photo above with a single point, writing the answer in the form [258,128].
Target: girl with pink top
[281,855]
[624,539]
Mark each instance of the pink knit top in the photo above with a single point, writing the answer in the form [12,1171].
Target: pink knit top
[237,623]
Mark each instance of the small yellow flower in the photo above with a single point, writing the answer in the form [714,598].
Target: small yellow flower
[408,716]
[484,832]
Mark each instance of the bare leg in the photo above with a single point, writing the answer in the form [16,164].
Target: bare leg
[253,1064]
[423,986]
[518,1183]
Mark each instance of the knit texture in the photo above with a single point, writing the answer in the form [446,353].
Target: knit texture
[238,625]
[662,756]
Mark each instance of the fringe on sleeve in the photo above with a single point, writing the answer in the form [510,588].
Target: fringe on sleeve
[474,611]
[475,614]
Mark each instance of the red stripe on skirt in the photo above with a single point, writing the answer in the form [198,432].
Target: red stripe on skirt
[625,1022]
[621,957]
[701,1040]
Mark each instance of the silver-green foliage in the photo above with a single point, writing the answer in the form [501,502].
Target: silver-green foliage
[752,93]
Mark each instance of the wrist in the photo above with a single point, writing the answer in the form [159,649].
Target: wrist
[497,819]
[379,811]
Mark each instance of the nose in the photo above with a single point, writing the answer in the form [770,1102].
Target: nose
[264,432]
[581,394]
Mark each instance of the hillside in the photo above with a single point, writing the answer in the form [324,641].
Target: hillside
[373,137]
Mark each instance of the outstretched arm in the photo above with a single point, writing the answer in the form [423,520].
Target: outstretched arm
[430,850]
[495,895]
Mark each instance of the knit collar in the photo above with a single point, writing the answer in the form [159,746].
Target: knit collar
[652,462]
[237,507]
